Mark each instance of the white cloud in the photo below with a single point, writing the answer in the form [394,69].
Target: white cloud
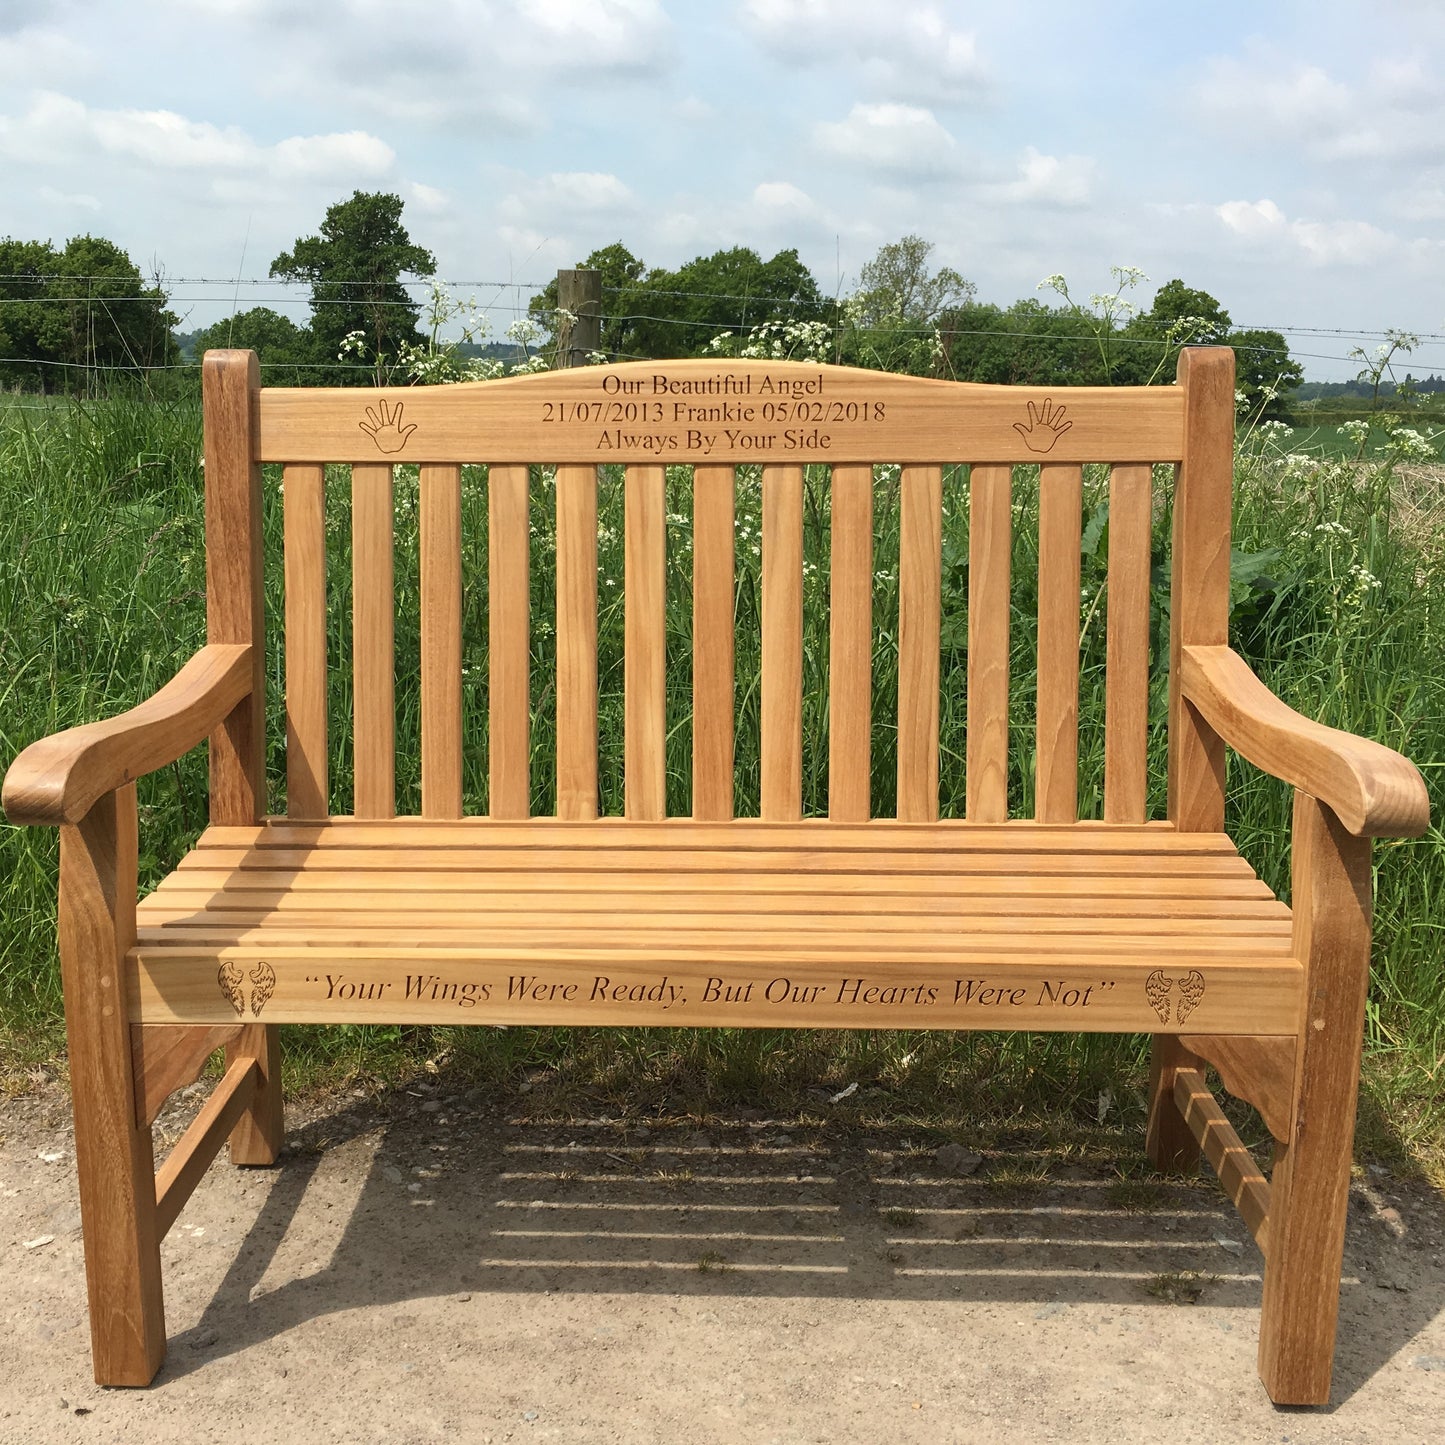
[63,198]
[563,196]
[460,61]
[1393,113]
[428,199]
[904,51]
[1054,181]
[783,198]
[57,129]
[1327,243]
[905,142]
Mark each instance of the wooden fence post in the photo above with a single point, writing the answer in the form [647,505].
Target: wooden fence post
[579,329]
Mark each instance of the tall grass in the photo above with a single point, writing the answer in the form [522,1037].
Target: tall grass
[1338,600]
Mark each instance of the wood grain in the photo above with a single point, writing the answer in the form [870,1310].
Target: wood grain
[645,659]
[441,641]
[1239,1175]
[990,541]
[60,778]
[308,792]
[1331,892]
[509,649]
[838,415]
[113,1153]
[235,607]
[920,563]
[1375,792]
[850,645]
[782,644]
[169,1058]
[198,1146]
[713,549]
[1259,1071]
[1056,770]
[1126,694]
[373,648]
[576,642]
[1199,592]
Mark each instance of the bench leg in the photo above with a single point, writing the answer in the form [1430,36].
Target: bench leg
[1170,1142]
[113,1154]
[1310,1185]
[260,1131]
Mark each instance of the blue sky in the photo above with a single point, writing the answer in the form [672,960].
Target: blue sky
[1289,158]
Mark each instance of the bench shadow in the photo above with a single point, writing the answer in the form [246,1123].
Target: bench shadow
[453,1201]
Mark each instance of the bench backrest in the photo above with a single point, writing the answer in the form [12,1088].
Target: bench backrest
[827,441]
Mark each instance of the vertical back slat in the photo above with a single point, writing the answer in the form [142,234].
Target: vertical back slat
[373,649]
[235,606]
[1056,769]
[782,644]
[644,665]
[441,641]
[1199,585]
[304,503]
[509,778]
[576,642]
[920,563]
[1126,694]
[989,544]
[712,643]
[850,644]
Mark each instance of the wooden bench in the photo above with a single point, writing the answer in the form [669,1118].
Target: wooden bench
[1049,922]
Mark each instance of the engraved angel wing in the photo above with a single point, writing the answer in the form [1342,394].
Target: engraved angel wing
[229,977]
[1192,987]
[263,976]
[1157,987]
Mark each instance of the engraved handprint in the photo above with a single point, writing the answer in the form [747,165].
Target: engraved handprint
[383,426]
[1046,426]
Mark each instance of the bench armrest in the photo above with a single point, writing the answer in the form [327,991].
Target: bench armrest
[1373,790]
[58,778]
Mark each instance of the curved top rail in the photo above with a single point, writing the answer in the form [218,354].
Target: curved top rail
[721,411]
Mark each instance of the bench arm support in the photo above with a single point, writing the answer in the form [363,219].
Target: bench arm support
[1373,790]
[57,779]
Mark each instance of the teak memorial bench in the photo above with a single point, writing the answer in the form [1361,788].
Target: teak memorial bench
[988,921]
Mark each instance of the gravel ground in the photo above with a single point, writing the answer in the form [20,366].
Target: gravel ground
[420,1269]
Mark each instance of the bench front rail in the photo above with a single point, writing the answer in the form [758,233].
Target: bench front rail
[1121,922]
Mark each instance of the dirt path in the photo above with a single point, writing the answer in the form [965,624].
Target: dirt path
[415,1272]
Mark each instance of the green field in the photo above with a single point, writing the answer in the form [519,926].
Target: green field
[1338,600]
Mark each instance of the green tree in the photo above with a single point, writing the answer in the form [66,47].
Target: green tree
[896,286]
[84,309]
[1179,316]
[354,268]
[285,349]
[622,273]
[26,268]
[1027,343]
[677,313]
[1264,373]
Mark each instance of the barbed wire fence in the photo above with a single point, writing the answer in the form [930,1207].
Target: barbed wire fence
[516,299]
